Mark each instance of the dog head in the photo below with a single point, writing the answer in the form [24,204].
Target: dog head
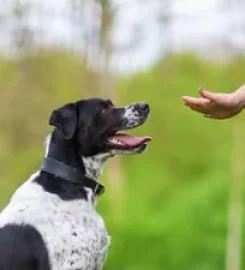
[95,125]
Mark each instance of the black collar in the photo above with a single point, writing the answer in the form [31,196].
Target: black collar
[70,174]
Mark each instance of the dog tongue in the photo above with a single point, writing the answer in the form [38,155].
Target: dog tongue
[131,140]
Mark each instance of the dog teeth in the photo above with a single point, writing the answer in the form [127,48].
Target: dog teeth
[115,141]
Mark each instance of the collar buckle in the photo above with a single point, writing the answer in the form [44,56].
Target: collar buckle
[99,189]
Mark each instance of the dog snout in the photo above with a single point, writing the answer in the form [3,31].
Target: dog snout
[143,107]
[136,114]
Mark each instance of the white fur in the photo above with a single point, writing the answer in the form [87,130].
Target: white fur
[132,116]
[93,165]
[74,233]
[57,220]
[47,143]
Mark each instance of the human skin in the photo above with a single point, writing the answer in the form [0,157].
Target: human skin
[217,105]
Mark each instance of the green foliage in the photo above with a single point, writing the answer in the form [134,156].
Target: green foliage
[176,193]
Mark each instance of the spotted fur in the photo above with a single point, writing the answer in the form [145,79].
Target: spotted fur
[93,165]
[73,232]
[133,116]
[51,223]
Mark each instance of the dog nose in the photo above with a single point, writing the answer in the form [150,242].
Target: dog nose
[143,106]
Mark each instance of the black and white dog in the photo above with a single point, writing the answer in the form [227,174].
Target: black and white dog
[51,222]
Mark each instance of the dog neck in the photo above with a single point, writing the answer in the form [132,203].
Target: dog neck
[93,165]
[66,151]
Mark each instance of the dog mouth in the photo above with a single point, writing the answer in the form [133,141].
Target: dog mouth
[122,141]
[134,117]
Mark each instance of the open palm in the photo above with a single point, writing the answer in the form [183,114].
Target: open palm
[214,105]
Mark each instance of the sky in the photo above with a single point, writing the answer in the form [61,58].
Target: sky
[197,24]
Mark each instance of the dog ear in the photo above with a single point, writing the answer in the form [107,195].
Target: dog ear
[65,120]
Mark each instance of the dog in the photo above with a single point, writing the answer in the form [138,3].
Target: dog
[51,223]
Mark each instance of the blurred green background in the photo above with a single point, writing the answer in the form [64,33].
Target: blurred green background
[176,206]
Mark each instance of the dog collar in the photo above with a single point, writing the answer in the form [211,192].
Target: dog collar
[71,174]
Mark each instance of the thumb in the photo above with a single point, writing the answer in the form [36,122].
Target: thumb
[207,94]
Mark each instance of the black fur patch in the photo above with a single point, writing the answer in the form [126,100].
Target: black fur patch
[22,248]
[65,190]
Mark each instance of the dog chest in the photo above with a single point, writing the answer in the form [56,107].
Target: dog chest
[74,233]
[77,241]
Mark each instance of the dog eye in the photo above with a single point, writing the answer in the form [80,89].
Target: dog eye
[107,109]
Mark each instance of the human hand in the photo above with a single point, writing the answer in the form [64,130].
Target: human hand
[217,105]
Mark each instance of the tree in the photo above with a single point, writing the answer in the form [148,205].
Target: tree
[107,90]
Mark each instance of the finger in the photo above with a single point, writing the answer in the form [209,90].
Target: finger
[202,107]
[211,116]
[195,101]
[208,116]
[199,109]
[207,94]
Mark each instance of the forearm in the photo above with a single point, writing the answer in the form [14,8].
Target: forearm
[240,97]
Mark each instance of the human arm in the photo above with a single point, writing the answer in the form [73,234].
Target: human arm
[217,105]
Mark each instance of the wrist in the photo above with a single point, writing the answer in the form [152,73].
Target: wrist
[239,98]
